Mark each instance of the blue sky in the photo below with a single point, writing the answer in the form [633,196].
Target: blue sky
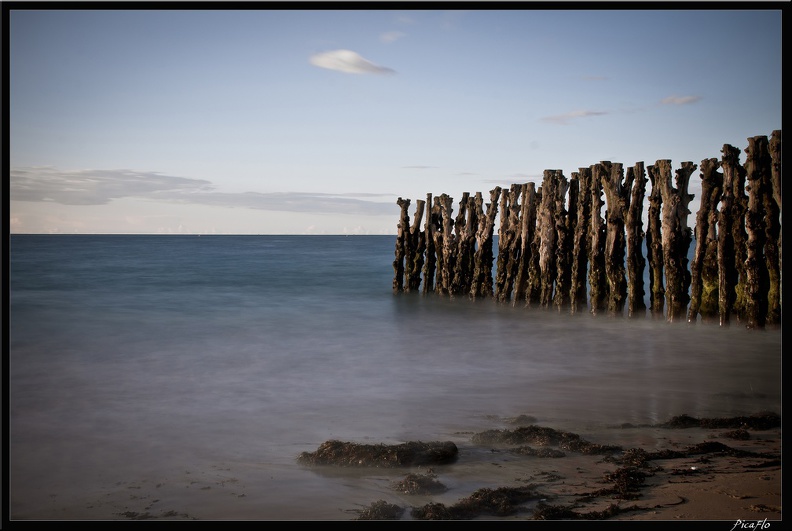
[314,122]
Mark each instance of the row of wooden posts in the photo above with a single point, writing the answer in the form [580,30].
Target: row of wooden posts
[556,250]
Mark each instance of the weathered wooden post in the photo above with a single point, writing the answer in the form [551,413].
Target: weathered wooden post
[731,237]
[401,245]
[547,228]
[430,261]
[449,243]
[685,234]
[465,228]
[636,183]
[773,231]
[757,172]
[574,199]
[416,246]
[617,196]
[704,267]
[654,247]
[675,237]
[507,243]
[482,269]
[598,287]
[527,228]
[563,248]
[580,186]
[533,287]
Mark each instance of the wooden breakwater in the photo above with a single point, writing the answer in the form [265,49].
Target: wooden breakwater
[564,246]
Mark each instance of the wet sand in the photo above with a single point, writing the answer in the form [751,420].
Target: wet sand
[736,478]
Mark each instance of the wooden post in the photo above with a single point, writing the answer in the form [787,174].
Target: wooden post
[757,173]
[772,209]
[636,183]
[461,238]
[675,240]
[581,181]
[598,287]
[430,262]
[533,287]
[507,243]
[563,250]
[401,245]
[547,257]
[617,197]
[482,272]
[704,267]
[654,247]
[527,228]
[414,257]
[731,236]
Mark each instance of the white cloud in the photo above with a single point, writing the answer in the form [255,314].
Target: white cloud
[348,62]
[564,119]
[391,36]
[679,100]
[94,187]
[100,187]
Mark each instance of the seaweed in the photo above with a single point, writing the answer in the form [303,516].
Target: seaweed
[544,437]
[380,455]
[503,501]
[420,484]
[381,510]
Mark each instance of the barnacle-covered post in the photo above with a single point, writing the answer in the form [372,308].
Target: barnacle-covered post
[704,267]
[437,233]
[414,253]
[616,197]
[527,228]
[580,187]
[547,256]
[731,236]
[563,249]
[430,261]
[507,243]
[465,228]
[772,209]
[449,243]
[598,288]
[533,287]
[757,172]
[654,247]
[675,237]
[402,232]
[636,184]
[482,261]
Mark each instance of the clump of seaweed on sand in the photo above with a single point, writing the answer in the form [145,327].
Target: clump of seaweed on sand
[634,465]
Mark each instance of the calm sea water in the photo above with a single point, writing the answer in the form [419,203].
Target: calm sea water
[146,361]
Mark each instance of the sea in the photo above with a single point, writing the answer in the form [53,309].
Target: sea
[180,376]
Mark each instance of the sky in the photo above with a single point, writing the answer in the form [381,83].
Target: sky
[305,121]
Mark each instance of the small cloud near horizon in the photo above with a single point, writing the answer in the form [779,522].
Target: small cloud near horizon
[100,187]
[563,119]
[348,62]
[679,100]
[391,36]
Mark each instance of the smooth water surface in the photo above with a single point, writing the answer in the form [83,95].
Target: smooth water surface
[143,360]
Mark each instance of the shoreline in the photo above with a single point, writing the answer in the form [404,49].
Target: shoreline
[676,473]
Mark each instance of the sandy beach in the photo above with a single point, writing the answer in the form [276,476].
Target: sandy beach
[659,473]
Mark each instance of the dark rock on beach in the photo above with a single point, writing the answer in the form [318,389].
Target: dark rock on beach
[760,421]
[420,484]
[408,454]
[544,437]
